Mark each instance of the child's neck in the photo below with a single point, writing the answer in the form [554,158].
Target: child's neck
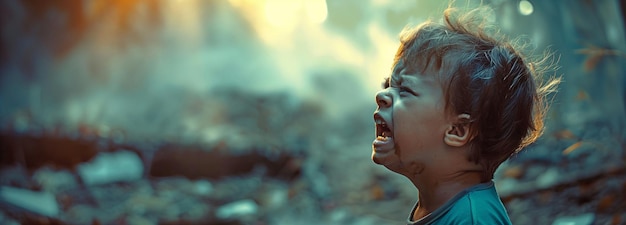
[434,191]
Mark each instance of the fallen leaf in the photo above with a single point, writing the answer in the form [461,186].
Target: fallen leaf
[595,54]
[565,134]
[514,172]
[377,192]
[572,147]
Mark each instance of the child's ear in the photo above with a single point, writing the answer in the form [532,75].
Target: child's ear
[458,133]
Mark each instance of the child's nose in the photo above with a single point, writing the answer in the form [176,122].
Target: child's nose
[383,99]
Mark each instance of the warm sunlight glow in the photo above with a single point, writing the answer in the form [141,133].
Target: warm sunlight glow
[287,13]
[282,13]
[316,10]
[236,3]
[184,17]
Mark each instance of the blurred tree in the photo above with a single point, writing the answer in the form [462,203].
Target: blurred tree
[588,38]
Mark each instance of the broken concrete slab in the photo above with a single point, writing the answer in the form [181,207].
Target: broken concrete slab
[583,219]
[111,167]
[55,180]
[43,203]
[237,209]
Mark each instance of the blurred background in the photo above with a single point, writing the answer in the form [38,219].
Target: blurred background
[260,111]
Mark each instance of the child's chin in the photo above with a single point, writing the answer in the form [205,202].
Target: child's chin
[388,158]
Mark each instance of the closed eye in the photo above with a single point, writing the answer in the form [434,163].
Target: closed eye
[406,89]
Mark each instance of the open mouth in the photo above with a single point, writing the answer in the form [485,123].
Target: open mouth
[383,131]
[383,143]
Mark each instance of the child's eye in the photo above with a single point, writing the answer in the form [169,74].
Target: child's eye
[407,90]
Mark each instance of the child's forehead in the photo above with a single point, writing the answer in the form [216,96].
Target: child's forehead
[411,80]
[405,76]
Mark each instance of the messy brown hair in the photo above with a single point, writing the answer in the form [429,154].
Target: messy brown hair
[484,75]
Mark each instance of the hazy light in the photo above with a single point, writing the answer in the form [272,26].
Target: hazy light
[525,7]
[282,12]
[236,3]
[287,13]
[316,10]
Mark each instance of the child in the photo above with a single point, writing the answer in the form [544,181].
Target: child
[458,103]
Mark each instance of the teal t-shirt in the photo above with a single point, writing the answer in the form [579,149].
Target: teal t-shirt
[479,204]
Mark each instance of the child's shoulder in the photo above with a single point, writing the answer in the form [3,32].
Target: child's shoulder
[479,204]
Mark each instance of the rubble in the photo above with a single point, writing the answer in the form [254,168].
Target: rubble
[55,180]
[42,202]
[584,219]
[6,220]
[215,120]
[239,209]
[111,167]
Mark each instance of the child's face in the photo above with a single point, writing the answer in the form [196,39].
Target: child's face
[410,121]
